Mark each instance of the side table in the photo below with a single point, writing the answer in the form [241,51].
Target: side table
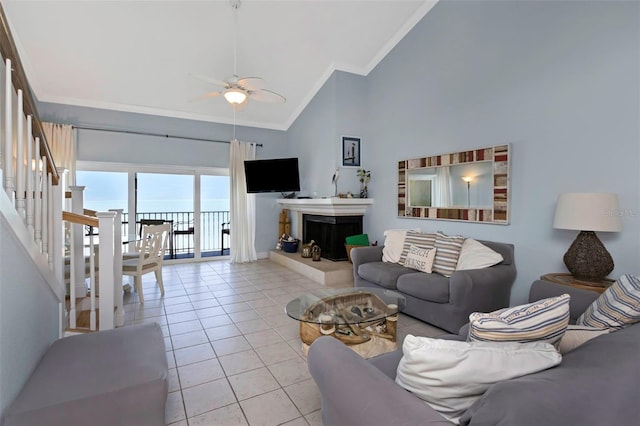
[569,280]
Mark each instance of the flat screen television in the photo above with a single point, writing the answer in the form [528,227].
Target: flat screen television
[275,175]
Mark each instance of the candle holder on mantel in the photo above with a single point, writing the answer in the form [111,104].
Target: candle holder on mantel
[315,253]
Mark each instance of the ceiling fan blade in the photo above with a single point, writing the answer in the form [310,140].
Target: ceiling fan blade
[211,80]
[251,83]
[265,95]
[206,96]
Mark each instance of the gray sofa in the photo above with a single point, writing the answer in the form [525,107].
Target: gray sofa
[110,378]
[595,384]
[434,298]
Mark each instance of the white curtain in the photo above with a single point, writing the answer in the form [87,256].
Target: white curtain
[62,142]
[243,205]
[443,187]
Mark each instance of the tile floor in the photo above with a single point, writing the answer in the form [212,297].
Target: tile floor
[234,355]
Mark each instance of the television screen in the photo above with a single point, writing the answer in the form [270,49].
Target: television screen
[275,175]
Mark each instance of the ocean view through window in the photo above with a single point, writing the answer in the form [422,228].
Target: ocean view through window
[169,197]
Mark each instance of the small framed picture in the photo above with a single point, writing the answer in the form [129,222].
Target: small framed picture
[350,151]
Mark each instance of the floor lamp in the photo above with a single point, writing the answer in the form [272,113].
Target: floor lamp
[587,259]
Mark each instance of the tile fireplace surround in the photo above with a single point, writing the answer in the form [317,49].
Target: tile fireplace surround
[335,211]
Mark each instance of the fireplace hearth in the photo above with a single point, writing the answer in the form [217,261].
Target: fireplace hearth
[329,232]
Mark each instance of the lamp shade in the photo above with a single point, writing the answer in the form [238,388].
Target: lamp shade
[588,212]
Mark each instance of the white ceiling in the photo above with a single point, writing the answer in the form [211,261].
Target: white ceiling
[140,56]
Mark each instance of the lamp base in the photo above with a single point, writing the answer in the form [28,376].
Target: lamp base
[587,259]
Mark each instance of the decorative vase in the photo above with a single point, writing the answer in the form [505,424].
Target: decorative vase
[364,191]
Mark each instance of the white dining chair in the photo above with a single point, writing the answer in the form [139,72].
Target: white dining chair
[152,247]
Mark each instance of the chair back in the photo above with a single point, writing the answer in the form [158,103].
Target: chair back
[154,243]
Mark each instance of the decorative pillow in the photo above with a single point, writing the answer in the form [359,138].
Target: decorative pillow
[447,255]
[425,241]
[393,245]
[450,375]
[617,307]
[576,335]
[475,255]
[543,321]
[420,259]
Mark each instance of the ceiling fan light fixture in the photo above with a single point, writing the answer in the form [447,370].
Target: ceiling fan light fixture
[235,96]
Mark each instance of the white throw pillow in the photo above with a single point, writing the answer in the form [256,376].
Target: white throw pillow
[576,335]
[420,259]
[450,375]
[393,245]
[475,255]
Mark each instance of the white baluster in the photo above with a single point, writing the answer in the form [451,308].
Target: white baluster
[44,212]
[30,172]
[57,227]
[106,269]
[49,216]
[37,195]
[117,267]
[20,187]
[8,181]
[77,285]
[92,279]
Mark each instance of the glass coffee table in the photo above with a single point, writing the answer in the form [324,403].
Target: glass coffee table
[365,319]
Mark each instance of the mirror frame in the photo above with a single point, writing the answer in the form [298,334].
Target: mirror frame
[501,167]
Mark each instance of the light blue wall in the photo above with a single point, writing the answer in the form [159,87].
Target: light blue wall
[560,81]
[28,316]
[131,148]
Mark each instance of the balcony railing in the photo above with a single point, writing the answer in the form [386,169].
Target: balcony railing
[181,243]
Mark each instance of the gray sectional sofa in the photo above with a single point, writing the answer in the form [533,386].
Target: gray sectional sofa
[594,385]
[434,298]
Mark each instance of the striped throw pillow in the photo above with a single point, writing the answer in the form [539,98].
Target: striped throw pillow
[543,321]
[447,254]
[418,239]
[617,307]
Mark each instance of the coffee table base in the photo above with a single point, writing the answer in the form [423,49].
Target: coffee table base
[374,347]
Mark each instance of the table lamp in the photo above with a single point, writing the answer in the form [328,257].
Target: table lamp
[587,259]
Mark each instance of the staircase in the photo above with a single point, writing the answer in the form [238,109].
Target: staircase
[32,201]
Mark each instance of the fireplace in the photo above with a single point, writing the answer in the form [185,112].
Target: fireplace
[329,232]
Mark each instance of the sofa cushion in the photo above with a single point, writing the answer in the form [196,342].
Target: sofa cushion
[383,273]
[617,307]
[545,320]
[450,375]
[420,259]
[448,250]
[596,384]
[475,255]
[393,245]
[430,287]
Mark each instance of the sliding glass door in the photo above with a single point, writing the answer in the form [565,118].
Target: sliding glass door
[194,202]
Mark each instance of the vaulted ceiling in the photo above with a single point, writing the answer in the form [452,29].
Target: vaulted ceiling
[141,56]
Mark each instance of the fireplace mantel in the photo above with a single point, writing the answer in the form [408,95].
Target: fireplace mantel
[327,206]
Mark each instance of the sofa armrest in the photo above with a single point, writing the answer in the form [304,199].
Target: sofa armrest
[354,392]
[484,290]
[360,255]
[580,299]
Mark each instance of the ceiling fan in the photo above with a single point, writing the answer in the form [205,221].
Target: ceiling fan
[238,90]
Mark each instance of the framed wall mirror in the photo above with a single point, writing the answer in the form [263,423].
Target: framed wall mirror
[471,186]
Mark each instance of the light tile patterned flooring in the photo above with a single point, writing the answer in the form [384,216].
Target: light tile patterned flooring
[234,355]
